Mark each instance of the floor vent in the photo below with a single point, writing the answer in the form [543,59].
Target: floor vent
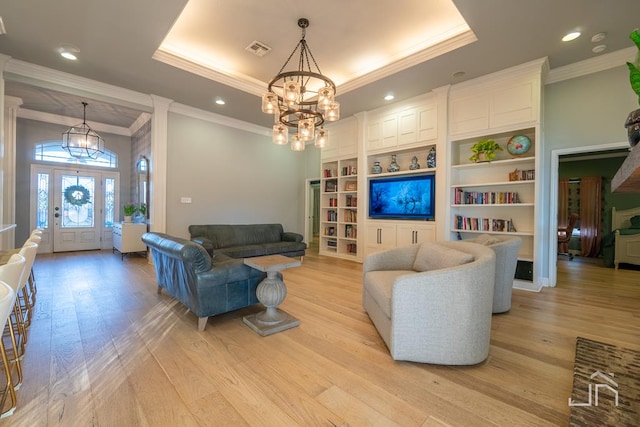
[258,48]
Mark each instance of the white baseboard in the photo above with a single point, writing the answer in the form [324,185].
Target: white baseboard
[526,285]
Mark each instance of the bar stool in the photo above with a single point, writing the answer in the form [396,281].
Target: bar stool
[28,251]
[32,289]
[7,300]
[11,274]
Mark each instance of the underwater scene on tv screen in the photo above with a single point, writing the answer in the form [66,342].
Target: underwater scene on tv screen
[410,197]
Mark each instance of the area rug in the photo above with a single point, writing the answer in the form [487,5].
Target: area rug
[601,373]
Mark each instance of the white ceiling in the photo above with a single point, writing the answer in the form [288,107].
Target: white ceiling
[118,40]
[350,39]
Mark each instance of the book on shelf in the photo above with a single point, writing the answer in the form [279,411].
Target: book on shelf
[330,231]
[329,173]
[332,243]
[462,197]
[332,215]
[333,202]
[351,231]
[351,201]
[522,175]
[349,170]
[352,248]
[484,224]
[350,215]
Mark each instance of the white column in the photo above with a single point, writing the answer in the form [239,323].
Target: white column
[7,173]
[158,164]
[11,107]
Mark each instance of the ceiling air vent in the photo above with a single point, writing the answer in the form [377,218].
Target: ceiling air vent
[258,48]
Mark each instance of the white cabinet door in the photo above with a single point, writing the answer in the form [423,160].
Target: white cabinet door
[469,113]
[343,139]
[374,134]
[411,234]
[513,103]
[427,126]
[380,236]
[390,131]
[407,127]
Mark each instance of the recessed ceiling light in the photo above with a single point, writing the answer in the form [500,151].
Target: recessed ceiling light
[68,55]
[458,74]
[599,48]
[571,36]
[69,52]
[220,101]
[389,97]
[599,37]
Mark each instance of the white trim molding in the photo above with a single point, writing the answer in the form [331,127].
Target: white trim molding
[158,163]
[553,196]
[592,65]
[219,119]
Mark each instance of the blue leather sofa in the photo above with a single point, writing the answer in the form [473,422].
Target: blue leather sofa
[247,240]
[204,285]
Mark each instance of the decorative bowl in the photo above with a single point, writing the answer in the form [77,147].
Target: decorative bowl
[518,145]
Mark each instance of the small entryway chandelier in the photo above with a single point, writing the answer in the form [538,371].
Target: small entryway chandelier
[81,141]
[302,99]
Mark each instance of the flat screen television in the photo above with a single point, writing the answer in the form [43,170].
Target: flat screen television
[402,197]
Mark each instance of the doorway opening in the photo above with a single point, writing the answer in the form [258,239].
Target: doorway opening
[312,214]
[594,151]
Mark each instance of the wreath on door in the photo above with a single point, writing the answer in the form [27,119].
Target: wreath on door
[77,195]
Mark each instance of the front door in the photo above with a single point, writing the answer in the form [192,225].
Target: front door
[77,207]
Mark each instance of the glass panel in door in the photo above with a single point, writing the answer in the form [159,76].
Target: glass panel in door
[77,202]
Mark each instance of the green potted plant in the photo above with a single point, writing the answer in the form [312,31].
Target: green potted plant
[633,119]
[129,210]
[484,150]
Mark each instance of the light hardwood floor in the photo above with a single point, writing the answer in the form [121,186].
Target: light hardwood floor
[106,350]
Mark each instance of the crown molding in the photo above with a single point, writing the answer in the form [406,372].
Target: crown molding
[237,81]
[208,116]
[12,102]
[24,113]
[452,40]
[140,121]
[48,78]
[538,66]
[450,43]
[592,65]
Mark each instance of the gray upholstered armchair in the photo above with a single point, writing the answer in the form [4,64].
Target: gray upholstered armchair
[431,303]
[506,249]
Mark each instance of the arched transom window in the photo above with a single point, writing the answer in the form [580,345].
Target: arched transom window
[52,151]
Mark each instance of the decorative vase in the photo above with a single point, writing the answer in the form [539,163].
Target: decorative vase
[376,168]
[633,127]
[414,164]
[431,158]
[127,218]
[393,167]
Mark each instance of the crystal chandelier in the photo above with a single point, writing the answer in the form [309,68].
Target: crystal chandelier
[81,141]
[302,99]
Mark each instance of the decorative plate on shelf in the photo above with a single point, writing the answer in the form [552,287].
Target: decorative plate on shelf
[518,145]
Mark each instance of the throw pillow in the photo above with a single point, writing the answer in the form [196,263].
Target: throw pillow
[486,239]
[432,256]
[635,221]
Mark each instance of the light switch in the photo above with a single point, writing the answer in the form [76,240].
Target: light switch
[185,200]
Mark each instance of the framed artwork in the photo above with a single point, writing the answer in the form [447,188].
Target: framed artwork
[351,186]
